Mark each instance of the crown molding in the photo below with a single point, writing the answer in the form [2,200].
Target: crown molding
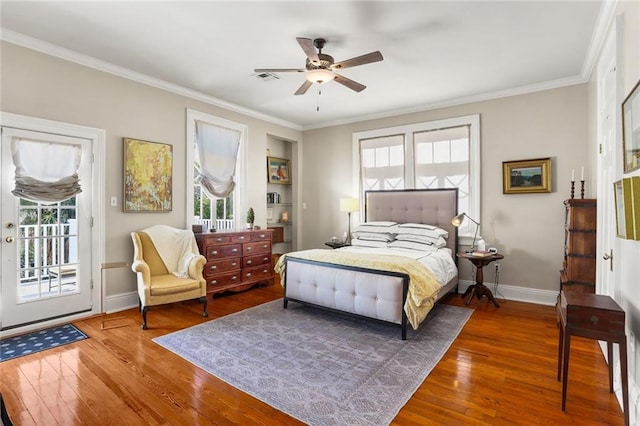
[598,37]
[88,61]
[537,87]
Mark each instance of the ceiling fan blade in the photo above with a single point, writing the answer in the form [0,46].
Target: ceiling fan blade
[303,89]
[353,85]
[359,60]
[309,50]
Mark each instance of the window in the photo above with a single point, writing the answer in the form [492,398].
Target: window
[212,211]
[435,154]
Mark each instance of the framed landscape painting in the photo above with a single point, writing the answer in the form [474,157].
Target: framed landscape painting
[148,176]
[526,176]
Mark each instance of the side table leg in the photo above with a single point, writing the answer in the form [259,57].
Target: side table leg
[610,359]
[565,368]
[622,347]
[560,343]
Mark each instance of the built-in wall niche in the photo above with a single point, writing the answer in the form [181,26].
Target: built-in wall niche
[280,194]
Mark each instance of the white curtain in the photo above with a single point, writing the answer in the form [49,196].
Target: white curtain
[46,172]
[217,152]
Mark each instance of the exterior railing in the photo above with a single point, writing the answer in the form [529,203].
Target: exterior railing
[220,224]
[54,245]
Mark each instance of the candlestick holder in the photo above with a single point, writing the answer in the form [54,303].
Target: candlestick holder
[582,189]
[573,188]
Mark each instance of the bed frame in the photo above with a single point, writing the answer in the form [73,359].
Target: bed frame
[367,292]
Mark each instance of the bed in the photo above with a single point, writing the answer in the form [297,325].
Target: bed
[382,287]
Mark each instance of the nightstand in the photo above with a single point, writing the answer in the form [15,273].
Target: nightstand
[479,289]
[336,245]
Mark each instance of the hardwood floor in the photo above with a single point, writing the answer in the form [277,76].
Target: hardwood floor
[500,370]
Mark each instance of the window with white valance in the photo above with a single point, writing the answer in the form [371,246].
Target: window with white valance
[46,172]
[217,154]
[433,154]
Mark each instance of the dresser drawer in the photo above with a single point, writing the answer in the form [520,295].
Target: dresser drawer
[214,252]
[261,259]
[231,264]
[257,247]
[223,280]
[260,236]
[241,238]
[218,239]
[257,273]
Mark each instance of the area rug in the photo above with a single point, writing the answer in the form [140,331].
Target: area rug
[37,341]
[320,367]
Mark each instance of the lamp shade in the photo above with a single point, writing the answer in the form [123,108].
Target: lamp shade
[320,75]
[349,205]
[457,220]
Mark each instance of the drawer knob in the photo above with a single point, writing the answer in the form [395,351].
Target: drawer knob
[234,264]
[241,237]
[214,282]
[264,271]
[214,252]
[234,278]
[248,262]
[214,267]
[249,248]
[218,239]
[265,246]
[262,235]
[248,274]
[594,319]
[234,250]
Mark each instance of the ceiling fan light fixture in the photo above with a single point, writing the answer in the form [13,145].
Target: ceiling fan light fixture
[320,75]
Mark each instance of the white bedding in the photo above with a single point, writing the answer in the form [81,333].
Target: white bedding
[439,261]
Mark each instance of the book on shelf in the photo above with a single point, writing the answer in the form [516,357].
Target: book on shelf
[273,198]
[481,253]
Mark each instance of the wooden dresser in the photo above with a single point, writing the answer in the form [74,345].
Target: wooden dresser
[236,260]
[578,272]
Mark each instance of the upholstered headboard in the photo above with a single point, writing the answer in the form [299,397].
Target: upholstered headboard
[429,206]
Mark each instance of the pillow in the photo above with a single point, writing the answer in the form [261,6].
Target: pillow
[368,243]
[423,239]
[420,229]
[413,246]
[373,236]
[385,227]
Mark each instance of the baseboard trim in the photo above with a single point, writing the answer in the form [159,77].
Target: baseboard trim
[520,294]
[120,302]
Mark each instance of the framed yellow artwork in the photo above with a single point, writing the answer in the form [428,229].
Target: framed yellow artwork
[148,176]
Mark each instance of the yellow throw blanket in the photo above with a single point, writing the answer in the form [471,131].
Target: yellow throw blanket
[423,286]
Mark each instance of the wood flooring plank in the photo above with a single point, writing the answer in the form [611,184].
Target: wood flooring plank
[501,370]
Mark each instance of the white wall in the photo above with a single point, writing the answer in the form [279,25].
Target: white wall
[527,228]
[626,289]
[39,85]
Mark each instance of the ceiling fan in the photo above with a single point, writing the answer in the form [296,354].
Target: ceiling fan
[321,67]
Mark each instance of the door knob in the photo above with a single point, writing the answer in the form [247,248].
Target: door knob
[9,239]
[609,256]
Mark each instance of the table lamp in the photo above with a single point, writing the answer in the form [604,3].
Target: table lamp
[349,205]
[457,221]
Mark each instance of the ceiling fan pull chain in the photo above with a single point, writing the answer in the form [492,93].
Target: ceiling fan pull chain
[318,101]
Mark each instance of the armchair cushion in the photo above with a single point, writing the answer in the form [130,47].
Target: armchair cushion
[165,285]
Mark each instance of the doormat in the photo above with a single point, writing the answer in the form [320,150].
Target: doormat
[38,341]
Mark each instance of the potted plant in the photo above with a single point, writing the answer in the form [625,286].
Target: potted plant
[250,218]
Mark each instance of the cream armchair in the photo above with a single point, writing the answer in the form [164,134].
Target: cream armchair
[156,283]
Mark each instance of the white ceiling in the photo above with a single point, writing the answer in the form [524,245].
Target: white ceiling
[435,53]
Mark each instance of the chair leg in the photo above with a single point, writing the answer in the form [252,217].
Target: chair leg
[144,317]
[204,306]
